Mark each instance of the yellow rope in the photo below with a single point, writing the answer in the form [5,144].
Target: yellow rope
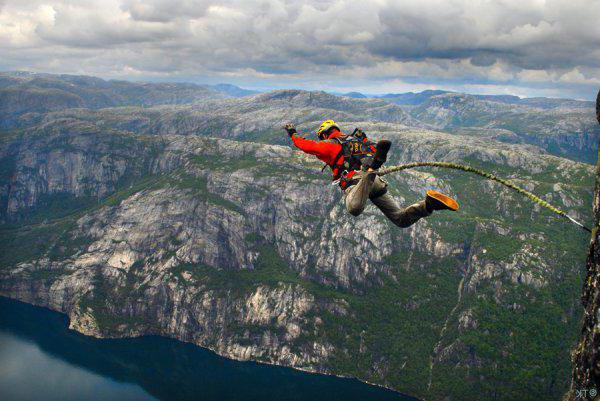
[487,175]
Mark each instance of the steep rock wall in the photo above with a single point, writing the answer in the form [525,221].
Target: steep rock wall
[586,356]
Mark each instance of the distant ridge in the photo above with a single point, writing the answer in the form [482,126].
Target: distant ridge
[24,92]
[233,90]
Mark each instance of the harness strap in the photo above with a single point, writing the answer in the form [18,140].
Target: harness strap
[348,154]
[336,159]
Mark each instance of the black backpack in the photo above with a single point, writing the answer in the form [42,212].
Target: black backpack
[355,148]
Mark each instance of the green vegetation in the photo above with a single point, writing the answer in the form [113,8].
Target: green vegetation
[260,168]
[45,234]
[7,167]
[219,162]
[270,136]
[397,322]
[54,206]
[199,186]
[511,351]
[29,243]
[269,270]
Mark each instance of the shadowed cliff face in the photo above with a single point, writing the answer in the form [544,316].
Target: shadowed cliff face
[586,356]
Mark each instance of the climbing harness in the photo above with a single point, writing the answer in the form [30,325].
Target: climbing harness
[356,147]
[487,175]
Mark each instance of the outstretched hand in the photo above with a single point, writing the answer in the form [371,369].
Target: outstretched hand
[290,128]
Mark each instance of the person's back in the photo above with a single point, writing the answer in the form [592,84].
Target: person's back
[354,161]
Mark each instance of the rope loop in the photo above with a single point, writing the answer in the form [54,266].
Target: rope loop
[487,175]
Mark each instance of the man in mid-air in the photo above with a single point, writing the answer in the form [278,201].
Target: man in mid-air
[354,161]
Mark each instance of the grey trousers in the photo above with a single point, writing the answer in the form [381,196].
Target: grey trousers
[368,186]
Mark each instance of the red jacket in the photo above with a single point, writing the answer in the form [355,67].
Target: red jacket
[325,151]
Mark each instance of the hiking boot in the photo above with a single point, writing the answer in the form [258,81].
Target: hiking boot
[435,200]
[382,148]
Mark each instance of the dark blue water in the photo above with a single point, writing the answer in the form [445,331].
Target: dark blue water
[40,359]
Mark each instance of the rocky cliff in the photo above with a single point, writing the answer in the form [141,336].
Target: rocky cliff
[22,93]
[171,221]
[586,355]
[567,130]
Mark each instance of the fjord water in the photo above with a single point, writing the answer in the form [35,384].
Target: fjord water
[41,359]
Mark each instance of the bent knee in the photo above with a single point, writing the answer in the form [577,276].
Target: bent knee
[355,210]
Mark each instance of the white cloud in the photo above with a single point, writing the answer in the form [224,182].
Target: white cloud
[434,42]
[575,76]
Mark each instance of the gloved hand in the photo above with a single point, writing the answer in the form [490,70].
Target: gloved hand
[291,130]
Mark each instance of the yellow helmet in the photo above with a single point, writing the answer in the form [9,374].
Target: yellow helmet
[325,127]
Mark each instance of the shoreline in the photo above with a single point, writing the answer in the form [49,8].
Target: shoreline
[304,370]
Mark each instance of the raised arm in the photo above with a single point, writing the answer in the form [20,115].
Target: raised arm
[325,151]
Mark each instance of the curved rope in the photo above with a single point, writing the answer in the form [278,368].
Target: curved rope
[487,175]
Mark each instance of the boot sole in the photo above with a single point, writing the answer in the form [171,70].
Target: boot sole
[446,200]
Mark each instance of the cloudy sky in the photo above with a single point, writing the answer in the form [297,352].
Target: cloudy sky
[522,47]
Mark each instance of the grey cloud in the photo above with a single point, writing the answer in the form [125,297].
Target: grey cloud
[315,41]
[484,59]
[86,28]
[558,34]
[165,10]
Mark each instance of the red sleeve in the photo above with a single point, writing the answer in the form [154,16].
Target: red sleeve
[325,151]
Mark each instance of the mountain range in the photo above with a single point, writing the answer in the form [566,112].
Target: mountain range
[182,210]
